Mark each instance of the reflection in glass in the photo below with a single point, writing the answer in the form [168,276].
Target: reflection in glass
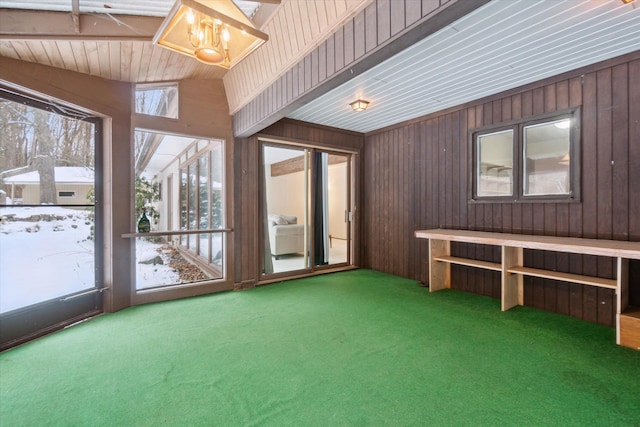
[547,158]
[494,164]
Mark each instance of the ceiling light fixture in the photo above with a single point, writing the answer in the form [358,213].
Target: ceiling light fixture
[222,36]
[627,1]
[359,105]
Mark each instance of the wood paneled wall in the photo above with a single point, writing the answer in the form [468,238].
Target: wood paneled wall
[247,186]
[416,177]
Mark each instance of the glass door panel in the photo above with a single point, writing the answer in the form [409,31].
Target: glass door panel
[48,230]
[285,209]
[338,208]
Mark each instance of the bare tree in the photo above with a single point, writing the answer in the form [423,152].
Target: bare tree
[45,160]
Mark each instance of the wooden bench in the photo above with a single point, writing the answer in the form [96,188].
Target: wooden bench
[512,268]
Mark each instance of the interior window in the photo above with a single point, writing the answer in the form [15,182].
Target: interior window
[533,159]
[157,100]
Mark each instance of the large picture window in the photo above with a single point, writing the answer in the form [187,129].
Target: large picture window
[529,160]
[179,188]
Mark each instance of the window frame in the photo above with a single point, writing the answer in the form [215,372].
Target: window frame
[518,176]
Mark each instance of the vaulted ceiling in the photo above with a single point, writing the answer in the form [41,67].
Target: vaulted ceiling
[501,45]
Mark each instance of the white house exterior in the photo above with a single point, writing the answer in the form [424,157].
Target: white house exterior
[73,185]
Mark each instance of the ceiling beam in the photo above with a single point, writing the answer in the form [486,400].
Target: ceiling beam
[45,25]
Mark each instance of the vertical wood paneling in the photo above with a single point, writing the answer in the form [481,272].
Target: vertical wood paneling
[383,15]
[371,27]
[620,153]
[634,150]
[396,20]
[436,194]
[339,48]
[349,45]
[413,12]
[359,43]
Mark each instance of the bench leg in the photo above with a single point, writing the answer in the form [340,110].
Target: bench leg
[512,292]
[439,272]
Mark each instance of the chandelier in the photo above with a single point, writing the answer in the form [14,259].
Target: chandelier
[215,32]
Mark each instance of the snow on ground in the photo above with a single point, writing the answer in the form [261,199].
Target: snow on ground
[150,275]
[45,253]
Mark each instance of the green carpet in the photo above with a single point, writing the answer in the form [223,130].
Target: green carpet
[355,348]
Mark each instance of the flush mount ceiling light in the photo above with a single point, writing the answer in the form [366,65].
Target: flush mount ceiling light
[627,1]
[215,32]
[359,105]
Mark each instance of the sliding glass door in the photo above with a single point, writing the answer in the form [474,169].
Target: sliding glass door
[50,227]
[285,209]
[305,209]
[331,204]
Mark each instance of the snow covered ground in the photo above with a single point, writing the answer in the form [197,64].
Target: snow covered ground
[45,253]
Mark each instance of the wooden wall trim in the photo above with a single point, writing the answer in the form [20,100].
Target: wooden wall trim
[361,43]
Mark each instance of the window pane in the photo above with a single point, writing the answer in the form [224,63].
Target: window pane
[183,204]
[157,100]
[193,225]
[203,204]
[494,164]
[286,209]
[47,199]
[547,158]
